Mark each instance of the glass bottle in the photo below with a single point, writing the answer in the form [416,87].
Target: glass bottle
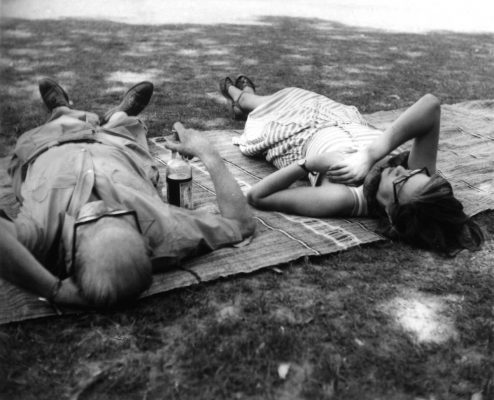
[179,182]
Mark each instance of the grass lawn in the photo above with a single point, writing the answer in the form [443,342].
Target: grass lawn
[383,321]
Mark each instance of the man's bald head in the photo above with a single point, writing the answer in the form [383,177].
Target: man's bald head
[112,262]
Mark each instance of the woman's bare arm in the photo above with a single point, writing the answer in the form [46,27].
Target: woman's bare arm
[419,122]
[274,193]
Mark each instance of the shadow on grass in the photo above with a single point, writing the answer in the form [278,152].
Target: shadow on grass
[96,61]
[333,318]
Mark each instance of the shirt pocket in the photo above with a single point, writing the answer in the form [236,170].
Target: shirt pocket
[39,182]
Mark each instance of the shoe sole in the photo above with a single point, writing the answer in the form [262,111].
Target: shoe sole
[108,114]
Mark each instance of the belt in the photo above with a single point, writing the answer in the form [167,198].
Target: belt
[59,142]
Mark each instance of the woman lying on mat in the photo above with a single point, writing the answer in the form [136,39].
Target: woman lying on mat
[354,169]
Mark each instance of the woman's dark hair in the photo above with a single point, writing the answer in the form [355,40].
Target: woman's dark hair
[434,219]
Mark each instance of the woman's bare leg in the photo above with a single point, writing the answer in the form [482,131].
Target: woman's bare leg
[246,99]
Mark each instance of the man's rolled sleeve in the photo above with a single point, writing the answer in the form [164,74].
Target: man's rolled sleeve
[189,233]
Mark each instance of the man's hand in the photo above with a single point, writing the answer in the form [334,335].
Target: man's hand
[191,143]
[69,295]
[352,169]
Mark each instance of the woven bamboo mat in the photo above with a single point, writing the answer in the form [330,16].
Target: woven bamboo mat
[466,158]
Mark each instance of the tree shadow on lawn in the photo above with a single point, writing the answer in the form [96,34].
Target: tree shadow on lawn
[355,325]
[96,61]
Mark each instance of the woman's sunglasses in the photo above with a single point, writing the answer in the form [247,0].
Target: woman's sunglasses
[399,182]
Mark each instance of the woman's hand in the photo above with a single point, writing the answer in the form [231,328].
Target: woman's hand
[352,169]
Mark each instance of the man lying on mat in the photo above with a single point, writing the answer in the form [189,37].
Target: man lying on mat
[354,169]
[92,226]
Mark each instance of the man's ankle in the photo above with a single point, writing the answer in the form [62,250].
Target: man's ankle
[57,112]
[118,115]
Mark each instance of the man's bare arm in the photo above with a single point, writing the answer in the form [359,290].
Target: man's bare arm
[231,201]
[18,266]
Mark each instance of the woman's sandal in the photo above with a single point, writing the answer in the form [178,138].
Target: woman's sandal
[243,81]
[237,112]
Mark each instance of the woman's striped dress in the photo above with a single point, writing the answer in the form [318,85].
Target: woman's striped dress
[283,128]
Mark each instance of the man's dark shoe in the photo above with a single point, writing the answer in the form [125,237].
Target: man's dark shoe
[134,101]
[53,94]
